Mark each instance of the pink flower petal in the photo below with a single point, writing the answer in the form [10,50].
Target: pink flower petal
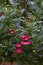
[19,50]
[25,37]
[25,43]
[18,45]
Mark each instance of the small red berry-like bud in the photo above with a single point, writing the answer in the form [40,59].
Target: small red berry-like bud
[11,31]
[0,14]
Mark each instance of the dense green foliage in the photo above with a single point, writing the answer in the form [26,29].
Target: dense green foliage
[24,18]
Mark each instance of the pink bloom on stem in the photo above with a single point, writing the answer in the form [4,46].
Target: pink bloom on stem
[25,43]
[25,37]
[19,50]
[18,45]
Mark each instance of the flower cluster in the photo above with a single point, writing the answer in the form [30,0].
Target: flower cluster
[25,41]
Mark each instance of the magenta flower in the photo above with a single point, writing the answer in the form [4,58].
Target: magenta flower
[18,45]
[25,37]
[19,50]
[25,43]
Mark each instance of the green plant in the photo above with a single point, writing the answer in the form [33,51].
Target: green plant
[21,35]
